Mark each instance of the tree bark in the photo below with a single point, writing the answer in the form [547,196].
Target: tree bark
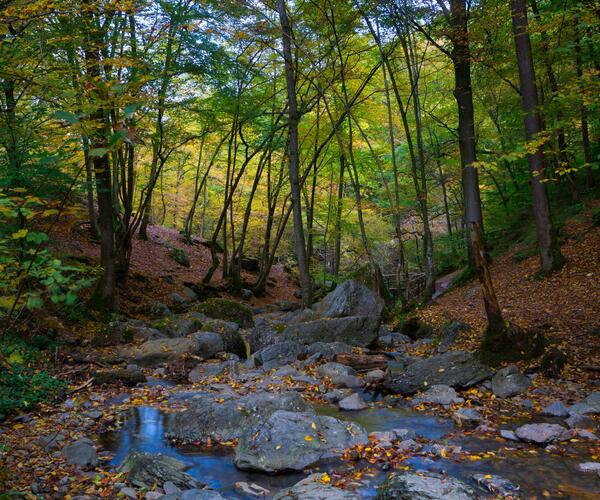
[550,256]
[294,160]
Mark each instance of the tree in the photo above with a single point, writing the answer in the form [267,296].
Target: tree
[551,258]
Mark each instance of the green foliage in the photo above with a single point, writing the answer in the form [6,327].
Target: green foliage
[24,384]
[596,216]
[229,310]
[26,266]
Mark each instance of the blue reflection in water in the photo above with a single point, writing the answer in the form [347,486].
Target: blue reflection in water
[144,431]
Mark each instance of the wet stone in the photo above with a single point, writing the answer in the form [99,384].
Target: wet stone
[556,409]
[497,485]
[353,402]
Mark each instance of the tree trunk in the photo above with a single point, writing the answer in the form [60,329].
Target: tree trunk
[461,58]
[550,256]
[293,119]
[104,295]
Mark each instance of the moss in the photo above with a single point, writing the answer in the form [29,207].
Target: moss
[161,324]
[279,328]
[510,343]
[229,310]
[596,216]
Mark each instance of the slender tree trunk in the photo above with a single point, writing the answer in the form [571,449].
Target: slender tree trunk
[293,119]
[89,178]
[104,296]
[337,250]
[550,255]
[585,130]
[461,58]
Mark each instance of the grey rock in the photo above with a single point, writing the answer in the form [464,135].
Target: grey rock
[590,404]
[438,394]
[169,487]
[348,381]
[146,469]
[352,403]
[556,409]
[497,485]
[352,330]
[137,329]
[180,256]
[508,434]
[156,309]
[194,494]
[327,350]
[291,441]
[579,421]
[209,417]
[509,382]
[589,467]
[209,344]
[180,325]
[155,352]
[457,369]
[220,326]
[351,298]
[467,417]
[408,445]
[313,488]
[279,354]
[542,433]
[450,333]
[81,453]
[204,370]
[51,441]
[263,334]
[374,376]
[333,370]
[128,377]
[334,396]
[128,492]
[424,486]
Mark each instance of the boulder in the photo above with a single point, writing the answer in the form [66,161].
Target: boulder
[327,350]
[553,362]
[556,409]
[509,382]
[352,403]
[415,329]
[374,376]
[229,310]
[180,256]
[348,381]
[351,298]
[333,370]
[81,453]
[155,309]
[579,421]
[127,377]
[450,333]
[179,325]
[424,486]
[209,344]
[146,469]
[315,487]
[497,485]
[155,352]
[264,334]
[204,370]
[352,330]
[457,369]
[224,419]
[467,417]
[590,404]
[438,394]
[542,433]
[291,441]
[139,330]
[279,354]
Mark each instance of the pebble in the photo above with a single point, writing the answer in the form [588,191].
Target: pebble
[353,403]
[510,435]
[589,467]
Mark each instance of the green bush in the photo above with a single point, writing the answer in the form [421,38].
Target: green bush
[24,383]
[596,216]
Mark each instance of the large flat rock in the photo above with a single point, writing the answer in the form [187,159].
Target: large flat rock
[456,369]
[292,441]
[352,330]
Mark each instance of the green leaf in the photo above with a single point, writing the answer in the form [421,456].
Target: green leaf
[130,110]
[70,118]
[34,302]
[21,233]
[98,152]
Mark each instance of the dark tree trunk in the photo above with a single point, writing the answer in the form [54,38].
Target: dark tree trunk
[461,58]
[550,256]
[104,295]
[293,119]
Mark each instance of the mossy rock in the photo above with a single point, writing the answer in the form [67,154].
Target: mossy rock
[180,256]
[509,344]
[129,378]
[229,310]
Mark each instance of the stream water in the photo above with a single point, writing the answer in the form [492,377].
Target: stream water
[143,430]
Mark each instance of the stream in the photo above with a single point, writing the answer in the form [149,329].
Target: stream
[143,430]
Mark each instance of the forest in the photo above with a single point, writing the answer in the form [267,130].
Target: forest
[365,233]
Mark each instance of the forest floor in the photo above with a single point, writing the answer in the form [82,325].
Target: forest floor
[564,305]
